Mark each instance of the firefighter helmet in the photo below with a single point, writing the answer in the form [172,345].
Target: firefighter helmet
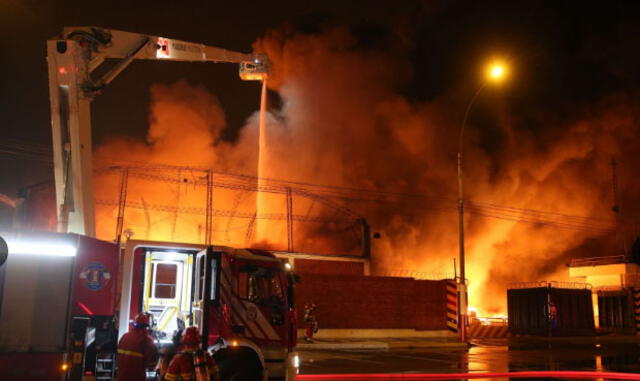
[190,336]
[142,320]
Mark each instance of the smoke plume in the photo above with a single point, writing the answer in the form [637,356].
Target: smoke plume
[535,195]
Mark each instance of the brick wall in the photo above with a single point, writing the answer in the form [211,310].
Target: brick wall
[328,267]
[371,302]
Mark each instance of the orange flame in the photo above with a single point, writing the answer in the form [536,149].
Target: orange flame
[344,124]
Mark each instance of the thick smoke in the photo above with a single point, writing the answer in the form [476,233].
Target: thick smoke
[344,122]
[350,126]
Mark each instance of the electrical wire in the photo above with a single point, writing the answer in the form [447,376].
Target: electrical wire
[13,148]
[482,209]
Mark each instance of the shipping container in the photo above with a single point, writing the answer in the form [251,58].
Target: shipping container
[550,309]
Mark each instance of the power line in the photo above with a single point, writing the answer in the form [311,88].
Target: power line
[220,212]
[250,183]
[12,148]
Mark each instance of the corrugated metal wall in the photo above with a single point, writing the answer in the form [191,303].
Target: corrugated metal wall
[530,311]
[615,311]
[527,309]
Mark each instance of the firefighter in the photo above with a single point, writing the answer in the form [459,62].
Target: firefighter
[167,353]
[136,351]
[310,321]
[192,363]
[553,315]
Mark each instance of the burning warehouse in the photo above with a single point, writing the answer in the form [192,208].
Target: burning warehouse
[363,123]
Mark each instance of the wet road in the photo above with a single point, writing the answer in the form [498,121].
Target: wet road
[498,355]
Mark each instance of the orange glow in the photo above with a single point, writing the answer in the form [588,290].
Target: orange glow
[496,72]
[343,123]
[253,76]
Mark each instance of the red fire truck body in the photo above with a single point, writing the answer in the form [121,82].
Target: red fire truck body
[60,294]
[57,305]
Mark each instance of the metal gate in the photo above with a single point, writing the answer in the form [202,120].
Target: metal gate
[615,311]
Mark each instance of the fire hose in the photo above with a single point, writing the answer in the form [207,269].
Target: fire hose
[458,376]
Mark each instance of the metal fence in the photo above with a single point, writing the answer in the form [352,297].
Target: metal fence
[405,273]
[552,284]
[597,261]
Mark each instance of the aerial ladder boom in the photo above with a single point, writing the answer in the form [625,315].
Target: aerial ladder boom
[72,58]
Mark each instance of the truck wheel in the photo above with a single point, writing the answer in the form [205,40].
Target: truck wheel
[240,367]
[245,375]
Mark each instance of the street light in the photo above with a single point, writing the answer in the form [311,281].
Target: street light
[495,73]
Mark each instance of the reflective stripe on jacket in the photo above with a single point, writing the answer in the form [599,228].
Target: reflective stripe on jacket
[136,352]
[181,367]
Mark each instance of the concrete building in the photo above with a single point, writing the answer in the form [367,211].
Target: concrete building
[616,291]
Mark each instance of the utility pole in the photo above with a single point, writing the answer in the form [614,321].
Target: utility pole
[208,225]
[122,203]
[289,220]
[366,237]
[620,239]
[462,284]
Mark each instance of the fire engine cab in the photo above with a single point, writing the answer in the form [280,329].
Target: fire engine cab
[241,300]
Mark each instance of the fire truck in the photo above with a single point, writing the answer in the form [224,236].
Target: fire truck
[66,297]
[64,303]
[242,301]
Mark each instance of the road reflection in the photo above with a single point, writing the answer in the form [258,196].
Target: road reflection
[518,355]
[617,354]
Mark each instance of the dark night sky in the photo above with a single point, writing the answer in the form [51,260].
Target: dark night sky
[567,53]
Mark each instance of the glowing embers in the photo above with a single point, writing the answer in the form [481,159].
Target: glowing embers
[494,319]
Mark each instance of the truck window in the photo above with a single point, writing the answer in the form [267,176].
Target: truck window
[247,286]
[259,286]
[276,287]
[164,280]
[201,277]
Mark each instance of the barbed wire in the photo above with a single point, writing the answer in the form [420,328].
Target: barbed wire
[489,210]
[323,193]
[220,212]
[405,273]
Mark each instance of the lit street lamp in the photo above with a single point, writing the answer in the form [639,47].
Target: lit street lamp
[496,72]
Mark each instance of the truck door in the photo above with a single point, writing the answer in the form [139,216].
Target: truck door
[261,291]
[167,290]
[207,291]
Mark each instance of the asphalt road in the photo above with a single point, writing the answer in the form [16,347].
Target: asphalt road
[498,355]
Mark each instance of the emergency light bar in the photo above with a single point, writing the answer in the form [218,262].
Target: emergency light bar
[52,249]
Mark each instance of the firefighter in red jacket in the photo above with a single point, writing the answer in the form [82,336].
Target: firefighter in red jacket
[310,321]
[192,363]
[136,351]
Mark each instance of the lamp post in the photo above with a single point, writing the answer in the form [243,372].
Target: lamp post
[495,74]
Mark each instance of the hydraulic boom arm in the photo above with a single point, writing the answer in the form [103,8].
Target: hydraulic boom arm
[72,59]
